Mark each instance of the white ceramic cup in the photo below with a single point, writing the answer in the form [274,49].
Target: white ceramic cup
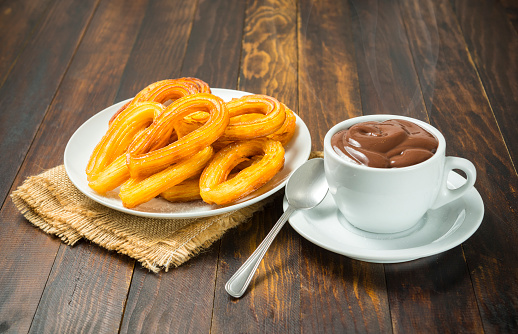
[391,200]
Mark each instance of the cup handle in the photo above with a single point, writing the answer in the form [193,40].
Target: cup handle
[447,195]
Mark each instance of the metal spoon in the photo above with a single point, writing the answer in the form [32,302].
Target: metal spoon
[305,189]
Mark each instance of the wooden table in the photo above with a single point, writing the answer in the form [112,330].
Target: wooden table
[451,63]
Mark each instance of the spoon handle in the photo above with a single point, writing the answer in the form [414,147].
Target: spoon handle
[237,284]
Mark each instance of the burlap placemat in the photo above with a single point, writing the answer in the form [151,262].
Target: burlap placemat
[51,202]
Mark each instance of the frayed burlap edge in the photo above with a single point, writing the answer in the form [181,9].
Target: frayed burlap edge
[71,216]
[51,202]
[36,201]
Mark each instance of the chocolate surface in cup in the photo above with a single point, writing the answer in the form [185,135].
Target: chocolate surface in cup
[393,143]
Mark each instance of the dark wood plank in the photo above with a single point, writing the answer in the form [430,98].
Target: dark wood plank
[27,253]
[492,261]
[299,287]
[27,257]
[177,301]
[462,113]
[387,76]
[32,83]
[442,280]
[511,9]
[155,302]
[341,295]
[214,49]
[85,292]
[384,40]
[493,45]
[338,294]
[18,21]
[159,47]
[271,303]
[138,72]
[269,66]
[89,86]
[328,79]
[422,291]
[269,54]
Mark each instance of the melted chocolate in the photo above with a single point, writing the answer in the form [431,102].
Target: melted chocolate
[389,144]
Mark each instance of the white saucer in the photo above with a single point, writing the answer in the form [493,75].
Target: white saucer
[438,231]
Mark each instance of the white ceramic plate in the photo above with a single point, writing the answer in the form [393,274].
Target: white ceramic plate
[83,141]
[438,231]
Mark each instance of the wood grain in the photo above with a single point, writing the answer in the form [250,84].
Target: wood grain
[328,80]
[421,290]
[28,90]
[19,19]
[89,86]
[88,285]
[269,54]
[271,304]
[450,62]
[494,52]
[214,49]
[177,301]
[395,72]
[27,253]
[338,294]
[156,302]
[159,47]
[463,114]
[492,261]
[387,75]
[341,295]
[511,9]
[27,257]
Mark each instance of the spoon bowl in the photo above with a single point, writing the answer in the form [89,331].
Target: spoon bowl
[305,189]
[307,186]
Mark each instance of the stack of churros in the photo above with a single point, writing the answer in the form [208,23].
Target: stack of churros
[196,148]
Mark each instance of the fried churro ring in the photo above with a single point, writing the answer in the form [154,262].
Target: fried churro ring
[136,191]
[164,90]
[162,143]
[143,159]
[287,130]
[215,187]
[284,134]
[238,118]
[273,111]
[120,134]
[251,116]
[186,191]
[189,190]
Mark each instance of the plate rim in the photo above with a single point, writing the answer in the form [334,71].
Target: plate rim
[402,255]
[305,138]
